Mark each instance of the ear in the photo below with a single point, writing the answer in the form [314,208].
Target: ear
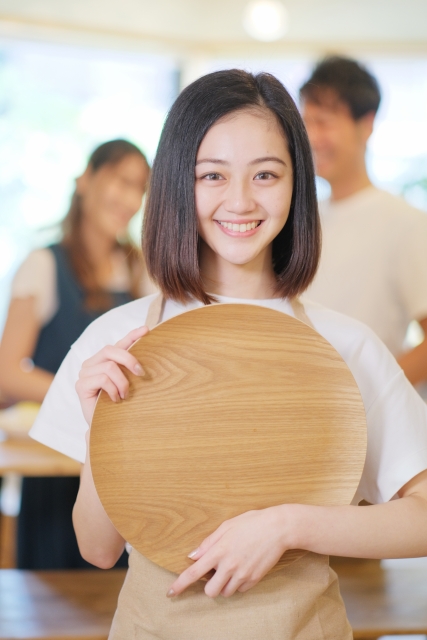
[82,182]
[366,124]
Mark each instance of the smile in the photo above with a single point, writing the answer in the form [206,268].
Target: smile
[241,228]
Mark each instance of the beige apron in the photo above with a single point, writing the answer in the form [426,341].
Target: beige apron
[299,602]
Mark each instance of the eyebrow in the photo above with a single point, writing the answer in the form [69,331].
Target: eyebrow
[256,161]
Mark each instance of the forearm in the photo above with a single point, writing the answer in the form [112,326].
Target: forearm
[414,363]
[99,541]
[396,529]
[18,385]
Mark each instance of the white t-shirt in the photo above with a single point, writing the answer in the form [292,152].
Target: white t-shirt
[36,277]
[396,415]
[374,263]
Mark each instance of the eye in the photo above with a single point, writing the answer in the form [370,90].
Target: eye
[265,175]
[211,176]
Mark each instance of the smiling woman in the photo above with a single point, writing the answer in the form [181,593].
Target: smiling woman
[270,170]
[242,199]
[234,152]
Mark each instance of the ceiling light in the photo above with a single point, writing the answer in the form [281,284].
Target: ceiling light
[266,20]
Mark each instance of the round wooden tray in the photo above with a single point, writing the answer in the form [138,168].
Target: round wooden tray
[241,408]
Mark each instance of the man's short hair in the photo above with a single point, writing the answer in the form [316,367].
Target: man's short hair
[346,80]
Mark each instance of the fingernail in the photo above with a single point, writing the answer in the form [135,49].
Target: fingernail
[170,593]
[193,553]
[138,370]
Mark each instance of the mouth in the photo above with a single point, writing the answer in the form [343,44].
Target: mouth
[241,227]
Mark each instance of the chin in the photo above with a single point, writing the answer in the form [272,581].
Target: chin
[239,261]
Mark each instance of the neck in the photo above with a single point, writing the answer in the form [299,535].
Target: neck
[253,281]
[98,245]
[354,180]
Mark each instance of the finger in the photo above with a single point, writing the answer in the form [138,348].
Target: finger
[113,371]
[232,586]
[117,355]
[132,337]
[90,387]
[218,583]
[191,575]
[209,542]
[245,586]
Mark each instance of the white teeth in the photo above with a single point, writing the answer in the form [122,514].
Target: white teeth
[242,228]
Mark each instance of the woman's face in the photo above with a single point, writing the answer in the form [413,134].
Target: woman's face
[243,186]
[112,194]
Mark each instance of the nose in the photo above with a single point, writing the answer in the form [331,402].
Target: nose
[239,198]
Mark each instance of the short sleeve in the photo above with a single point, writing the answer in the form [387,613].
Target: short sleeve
[397,441]
[36,277]
[60,423]
[411,265]
[396,416]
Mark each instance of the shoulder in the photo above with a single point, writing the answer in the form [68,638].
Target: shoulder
[42,260]
[36,274]
[112,326]
[369,360]
[399,210]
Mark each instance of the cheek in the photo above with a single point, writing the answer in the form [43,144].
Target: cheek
[106,196]
[279,203]
[205,202]
[133,199]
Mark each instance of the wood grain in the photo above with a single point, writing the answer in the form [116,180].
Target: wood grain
[27,457]
[58,605]
[241,408]
[383,601]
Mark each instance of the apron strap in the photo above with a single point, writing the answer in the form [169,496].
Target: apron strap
[155,311]
[299,311]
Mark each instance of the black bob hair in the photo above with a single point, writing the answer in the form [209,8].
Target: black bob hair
[170,238]
[348,80]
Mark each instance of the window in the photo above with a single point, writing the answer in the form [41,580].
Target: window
[57,104]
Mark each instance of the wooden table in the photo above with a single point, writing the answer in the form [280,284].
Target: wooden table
[384,601]
[20,455]
[26,457]
[79,605]
[58,605]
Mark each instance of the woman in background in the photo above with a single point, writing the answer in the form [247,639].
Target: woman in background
[56,293]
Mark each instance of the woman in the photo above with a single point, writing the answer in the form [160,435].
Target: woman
[56,294]
[232,217]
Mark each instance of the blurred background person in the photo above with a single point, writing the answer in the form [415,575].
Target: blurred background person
[56,293]
[374,253]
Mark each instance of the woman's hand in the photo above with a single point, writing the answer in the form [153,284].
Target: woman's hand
[242,550]
[102,371]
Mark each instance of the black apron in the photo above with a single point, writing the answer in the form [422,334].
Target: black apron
[46,538]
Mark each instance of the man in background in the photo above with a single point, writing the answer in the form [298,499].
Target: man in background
[374,256]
